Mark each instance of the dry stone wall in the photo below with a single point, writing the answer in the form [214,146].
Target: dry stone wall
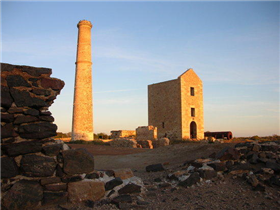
[36,170]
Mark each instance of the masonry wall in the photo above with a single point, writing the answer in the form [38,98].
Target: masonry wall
[122,133]
[170,103]
[146,133]
[164,108]
[188,80]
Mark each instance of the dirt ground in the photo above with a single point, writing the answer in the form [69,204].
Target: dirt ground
[228,193]
[107,157]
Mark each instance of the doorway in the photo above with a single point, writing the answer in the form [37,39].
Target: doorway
[193,130]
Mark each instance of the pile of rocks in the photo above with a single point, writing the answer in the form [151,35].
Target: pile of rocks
[124,142]
[132,143]
[258,163]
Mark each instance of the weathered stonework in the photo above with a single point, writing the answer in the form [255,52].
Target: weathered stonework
[82,125]
[122,134]
[146,133]
[176,107]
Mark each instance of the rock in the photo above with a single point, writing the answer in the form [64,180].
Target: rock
[25,119]
[161,142]
[37,130]
[164,185]
[124,173]
[207,174]
[50,180]
[23,195]
[256,147]
[17,81]
[16,110]
[273,165]
[8,167]
[146,144]
[218,166]
[46,118]
[274,180]
[22,148]
[252,179]
[56,187]
[37,166]
[228,154]
[7,117]
[122,199]
[254,158]
[92,176]
[54,198]
[85,190]
[23,98]
[52,83]
[36,72]
[52,149]
[155,168]
[77,161]
[33,112]
[39,91]
[193,179]
[113,183]
[6,98]
[7,131]
[129,189]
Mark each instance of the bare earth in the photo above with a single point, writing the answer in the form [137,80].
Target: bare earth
[228,193]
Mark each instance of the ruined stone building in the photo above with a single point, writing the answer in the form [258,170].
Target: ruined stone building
[122,133]
[175,107]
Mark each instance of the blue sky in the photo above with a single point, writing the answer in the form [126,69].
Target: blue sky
[232,46]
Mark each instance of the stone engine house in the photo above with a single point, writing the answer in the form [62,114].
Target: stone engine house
[175,107]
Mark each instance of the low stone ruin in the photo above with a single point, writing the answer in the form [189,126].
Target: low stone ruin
[146,132]
[37,170]
[258,163]
[132,143]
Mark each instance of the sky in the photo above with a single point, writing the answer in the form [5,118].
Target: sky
[232,46]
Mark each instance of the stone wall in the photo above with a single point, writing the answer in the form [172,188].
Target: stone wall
[122,133]
[35,169]
[146,133]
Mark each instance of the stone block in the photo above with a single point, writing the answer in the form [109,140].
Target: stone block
[22,148]
[7,131]
[7,117]
[56,187]
[155,168]
[123,173]
[54,198]
[228,154]
[113,183]
[6,98]
[25,119]
[17,81]
[23,98]
[85,190]
[33,112]
[50,180]
[78,161]
[52,83]
[129,189]
[37,130]
[52,149]
[37,166]
[191,180]
[8,167]
[24,195]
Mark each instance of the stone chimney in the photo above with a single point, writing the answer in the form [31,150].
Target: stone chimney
[82,124]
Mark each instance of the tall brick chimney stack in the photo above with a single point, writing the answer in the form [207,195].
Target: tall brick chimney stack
[82,124]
